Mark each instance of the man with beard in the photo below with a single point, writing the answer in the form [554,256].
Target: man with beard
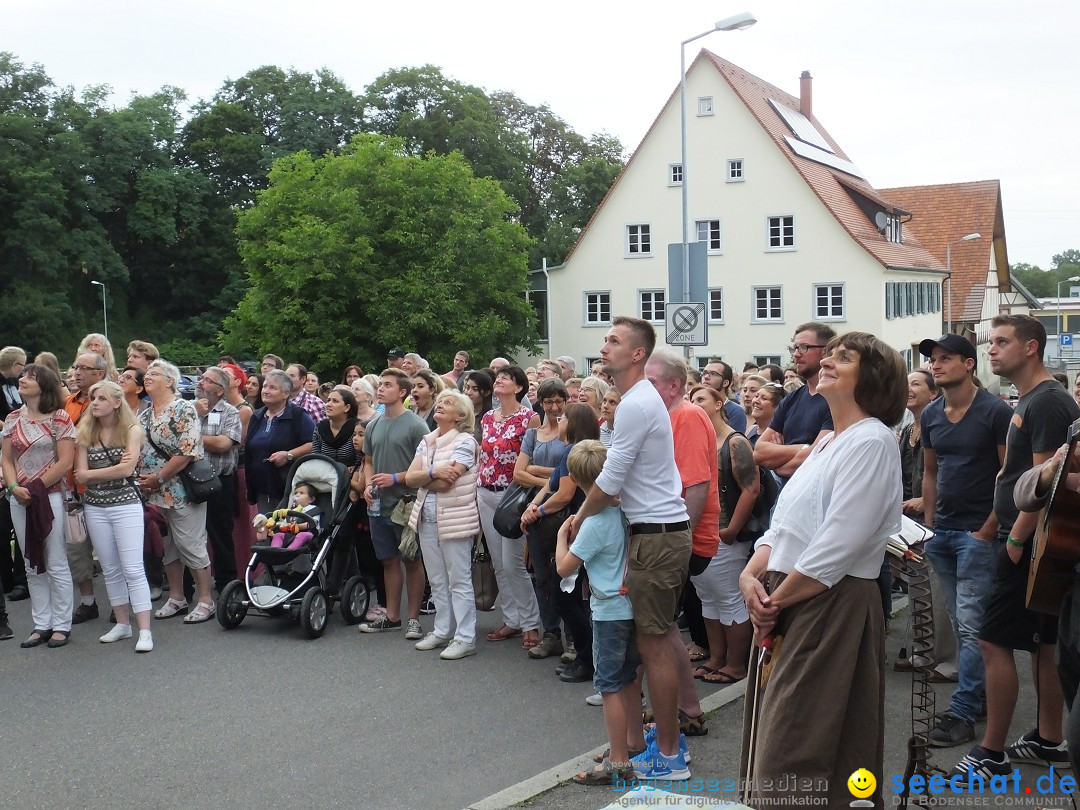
[802,417]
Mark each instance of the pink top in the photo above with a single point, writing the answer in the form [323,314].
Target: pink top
[34,443]
[500,446]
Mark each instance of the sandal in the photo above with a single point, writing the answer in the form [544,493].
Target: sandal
[531,640]
[503,633]
[692,726]
[170,608]
[605,774]
[203,611]
[697,655]
[718,676]
[703,673]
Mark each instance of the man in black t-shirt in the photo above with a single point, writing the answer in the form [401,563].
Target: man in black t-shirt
[803,416]
[963,439]
[1040,423]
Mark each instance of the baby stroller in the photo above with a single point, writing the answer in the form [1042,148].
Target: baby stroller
[294,580]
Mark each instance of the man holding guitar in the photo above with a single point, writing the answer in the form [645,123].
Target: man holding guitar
[1059,491]
[1040,422]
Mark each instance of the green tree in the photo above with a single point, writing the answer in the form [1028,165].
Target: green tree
[348,255]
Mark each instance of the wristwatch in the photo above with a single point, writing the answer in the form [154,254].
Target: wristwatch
[288,456]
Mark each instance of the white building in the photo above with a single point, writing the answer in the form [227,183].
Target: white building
[794,232]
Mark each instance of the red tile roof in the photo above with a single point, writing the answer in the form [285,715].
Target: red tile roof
[943,214]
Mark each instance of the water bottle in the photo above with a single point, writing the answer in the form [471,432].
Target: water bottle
[375,508]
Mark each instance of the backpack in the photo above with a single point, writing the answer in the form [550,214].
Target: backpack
[768,492]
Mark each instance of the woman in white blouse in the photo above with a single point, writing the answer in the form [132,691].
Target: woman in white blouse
[810,587]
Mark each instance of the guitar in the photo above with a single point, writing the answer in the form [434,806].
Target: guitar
[1056,549]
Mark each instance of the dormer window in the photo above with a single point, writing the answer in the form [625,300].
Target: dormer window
[891,226]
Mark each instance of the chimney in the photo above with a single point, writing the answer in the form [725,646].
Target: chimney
[806,94]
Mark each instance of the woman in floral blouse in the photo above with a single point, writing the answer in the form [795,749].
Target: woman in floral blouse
[502,430]
[172,424]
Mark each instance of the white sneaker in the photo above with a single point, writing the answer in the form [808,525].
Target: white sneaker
[118,633]
[456,650]
[145,643]
[432,642]
[595,699]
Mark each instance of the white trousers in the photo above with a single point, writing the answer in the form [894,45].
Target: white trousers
[117,535]
[517,597]
[449,572]
[52,595]
[718,585]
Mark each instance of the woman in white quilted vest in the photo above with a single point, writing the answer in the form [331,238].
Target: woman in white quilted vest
[446,519]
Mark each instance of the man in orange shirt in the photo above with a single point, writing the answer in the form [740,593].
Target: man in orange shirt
[90,369]
[695,458]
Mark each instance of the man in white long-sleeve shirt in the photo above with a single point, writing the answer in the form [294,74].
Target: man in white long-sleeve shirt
[640,470]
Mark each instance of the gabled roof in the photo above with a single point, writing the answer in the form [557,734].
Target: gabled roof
[836,189]
[945,213]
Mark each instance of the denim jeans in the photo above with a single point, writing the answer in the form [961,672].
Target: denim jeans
[965,569]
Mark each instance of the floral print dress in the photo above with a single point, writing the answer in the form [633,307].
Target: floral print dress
[500,446]
[177,432]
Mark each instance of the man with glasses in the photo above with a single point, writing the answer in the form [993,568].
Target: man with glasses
[271,362]
[803,416]
[719,375]
[221,433]
[90,369]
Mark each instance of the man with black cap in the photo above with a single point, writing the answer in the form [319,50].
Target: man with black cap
[395,358]
[963,439]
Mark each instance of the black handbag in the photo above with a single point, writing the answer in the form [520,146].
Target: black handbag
[507,518]
[200,481]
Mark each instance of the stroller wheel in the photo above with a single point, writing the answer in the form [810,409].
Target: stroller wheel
[231,609]
[355,597]
[314,611]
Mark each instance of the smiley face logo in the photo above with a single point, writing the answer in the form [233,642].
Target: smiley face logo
[861,783]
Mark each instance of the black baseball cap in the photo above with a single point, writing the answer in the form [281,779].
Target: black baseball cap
[395,353]
[953,344]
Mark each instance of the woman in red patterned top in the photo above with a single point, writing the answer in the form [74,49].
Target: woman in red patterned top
[38,452]
[503,429]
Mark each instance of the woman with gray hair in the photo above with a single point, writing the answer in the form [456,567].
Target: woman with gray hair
[365,399]
[174,440]
[278,433]
[445,517]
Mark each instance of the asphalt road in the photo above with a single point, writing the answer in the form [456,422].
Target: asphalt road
[263,717]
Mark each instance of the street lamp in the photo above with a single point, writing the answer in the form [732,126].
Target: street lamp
[1061,317]
[104,307]
[739,22]
[948,267]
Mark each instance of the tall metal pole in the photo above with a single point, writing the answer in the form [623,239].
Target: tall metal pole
[104,307]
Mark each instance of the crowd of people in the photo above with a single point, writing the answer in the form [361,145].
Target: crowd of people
[749,508]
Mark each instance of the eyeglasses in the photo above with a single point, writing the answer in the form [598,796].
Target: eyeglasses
[126,378]
[87,368]
[712,374]
[803,348]
[205,380]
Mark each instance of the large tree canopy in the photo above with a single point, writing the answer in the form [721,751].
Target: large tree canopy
[351,254]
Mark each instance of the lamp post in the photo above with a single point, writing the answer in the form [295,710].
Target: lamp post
[948,267]
[1061,317]
[739,22]
[104,306]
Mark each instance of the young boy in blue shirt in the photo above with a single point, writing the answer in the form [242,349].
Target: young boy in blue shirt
[601,545]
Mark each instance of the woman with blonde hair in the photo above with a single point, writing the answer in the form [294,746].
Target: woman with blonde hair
[592,392]
[107,448]
[446,519]
[96,343]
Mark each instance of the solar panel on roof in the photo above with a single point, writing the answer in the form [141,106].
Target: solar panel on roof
[825,158]
[801,126]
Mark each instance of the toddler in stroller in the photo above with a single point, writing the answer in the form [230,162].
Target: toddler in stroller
[282,523]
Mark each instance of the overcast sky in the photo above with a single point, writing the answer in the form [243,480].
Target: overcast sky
[927,91]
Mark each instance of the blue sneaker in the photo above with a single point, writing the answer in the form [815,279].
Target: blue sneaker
[653,765]
[650,739]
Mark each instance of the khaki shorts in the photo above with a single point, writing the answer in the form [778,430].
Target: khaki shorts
[186,540]
[656,570]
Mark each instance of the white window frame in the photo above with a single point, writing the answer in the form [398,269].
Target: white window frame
[657,312]
[768,233]
[709,304]
[817,316]
[588,364]
[672,170]
[754,317]
[705,106]
[628,241]
[585,321]
[767,359]
[709,248]
[741,168]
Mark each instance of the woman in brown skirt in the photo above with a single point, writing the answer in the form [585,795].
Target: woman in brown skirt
[815,710]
